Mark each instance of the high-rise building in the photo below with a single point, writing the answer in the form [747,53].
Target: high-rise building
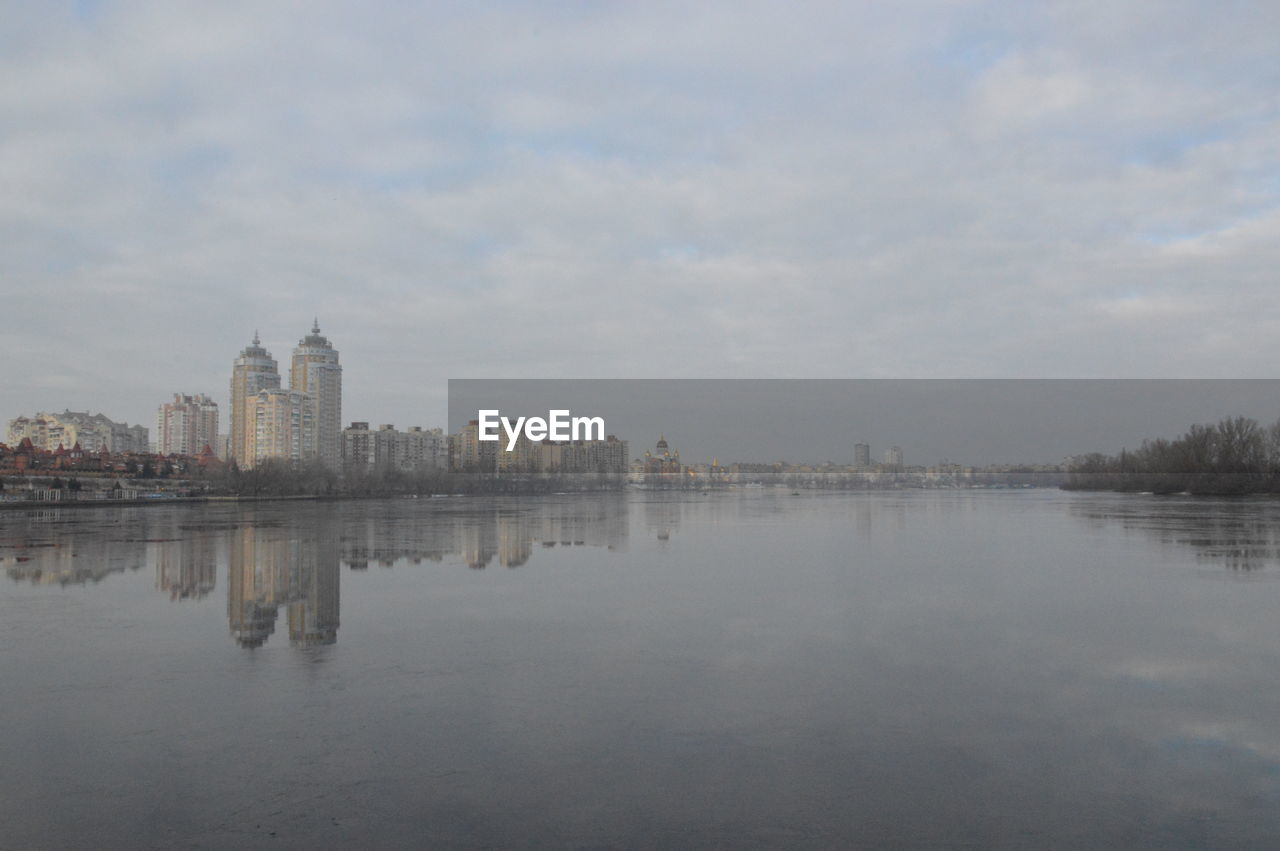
[186,425]
[253,371]
[893,457]
[469,453]
[359,448]
[278,424]
[422,449]
[862,455]
[315,372]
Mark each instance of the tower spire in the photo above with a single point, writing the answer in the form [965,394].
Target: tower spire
[256,342]
[315,325]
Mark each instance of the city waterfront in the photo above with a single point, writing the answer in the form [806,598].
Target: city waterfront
[732,669]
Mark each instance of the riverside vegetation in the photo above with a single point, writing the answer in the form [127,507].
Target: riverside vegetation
[1235,456]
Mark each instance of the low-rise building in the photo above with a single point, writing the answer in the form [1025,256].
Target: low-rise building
[92,431]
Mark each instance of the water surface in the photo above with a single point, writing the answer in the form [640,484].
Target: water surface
[744,669]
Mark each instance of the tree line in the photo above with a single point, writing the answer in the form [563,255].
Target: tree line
[1236,455]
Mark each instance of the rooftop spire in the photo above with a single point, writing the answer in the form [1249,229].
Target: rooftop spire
[255,337]
[315,325]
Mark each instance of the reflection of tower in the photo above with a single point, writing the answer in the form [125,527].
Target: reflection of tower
[315,371]
[662,516]
[313,615]
[862,523]
[254,370]
[187,568]
[479,540]
[298,568]
[514,538]
[255,579]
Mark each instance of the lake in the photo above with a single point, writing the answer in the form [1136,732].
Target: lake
[736,669]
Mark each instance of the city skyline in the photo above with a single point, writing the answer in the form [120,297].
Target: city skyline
[831,424]
[299,422]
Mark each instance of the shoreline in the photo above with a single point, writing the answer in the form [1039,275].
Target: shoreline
[42,505]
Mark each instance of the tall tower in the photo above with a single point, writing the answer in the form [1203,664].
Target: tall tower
[254,370]
[315,372]
[862,455]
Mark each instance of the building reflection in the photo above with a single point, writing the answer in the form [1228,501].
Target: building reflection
[662,515]
[271,567]
[289,557]
[187,568]
[74,547]
[483,533]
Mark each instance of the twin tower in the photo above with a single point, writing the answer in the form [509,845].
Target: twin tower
[301,423]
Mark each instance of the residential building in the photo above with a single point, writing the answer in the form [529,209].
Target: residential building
[278,424]
[255,370]
[186,425]
[315,372]
[862,455]
[416,449]
[94,432]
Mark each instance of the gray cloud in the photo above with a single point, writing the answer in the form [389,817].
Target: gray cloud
[734,190]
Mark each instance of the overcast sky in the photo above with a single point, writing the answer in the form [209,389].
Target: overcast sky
[737,189]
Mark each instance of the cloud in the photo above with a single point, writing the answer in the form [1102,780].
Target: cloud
[732,189]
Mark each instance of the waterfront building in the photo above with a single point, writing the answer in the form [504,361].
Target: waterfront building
[186,425]
[416,449]
[421,449]
[94,432]
[662,463]
[278,424]
[468,453]
[862,455]
[523,457]
[253,371]
[315,372]
[893,458]
[359,451]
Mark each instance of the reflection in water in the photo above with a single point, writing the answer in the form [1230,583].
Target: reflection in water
[1241,535]
[288,555]
[74,547]
[272,567]
[662,515]
[752,669]
[187,568]
[481,531]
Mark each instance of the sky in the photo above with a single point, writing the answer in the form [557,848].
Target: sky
[606,190]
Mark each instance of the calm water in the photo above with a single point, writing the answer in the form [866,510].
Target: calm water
[737,670]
